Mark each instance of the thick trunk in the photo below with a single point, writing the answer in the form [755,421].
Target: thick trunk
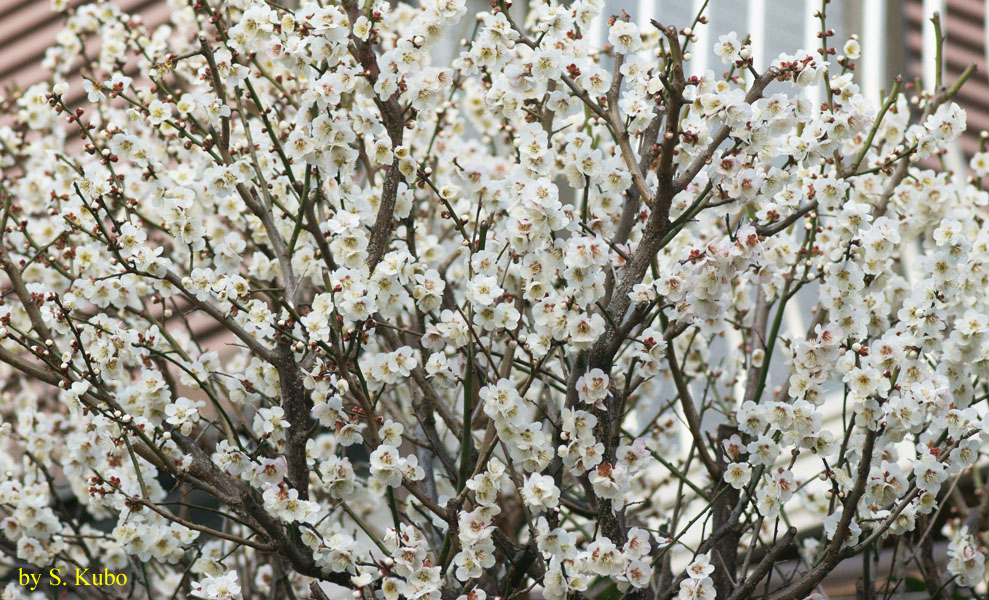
[725,554]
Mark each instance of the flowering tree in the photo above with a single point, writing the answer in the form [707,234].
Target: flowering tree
[502,327]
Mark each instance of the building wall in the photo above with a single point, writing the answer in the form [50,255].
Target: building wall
[965,27]
[29,27]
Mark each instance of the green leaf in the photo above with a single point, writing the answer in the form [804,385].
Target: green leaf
[914,584]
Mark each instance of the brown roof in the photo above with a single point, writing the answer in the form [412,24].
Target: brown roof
[29,27]
[964,29]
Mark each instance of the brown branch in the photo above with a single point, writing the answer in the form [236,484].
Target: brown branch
[757,334]
[29,304]
[391,115]
[833,554]
[942,96]
[725,554]
[257,347]
[754,93]
[29,368]
[207,52]
[195,526]
[774,228]
[297,404]
[732,525]
[246,503]
[745,590]
[690,414]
